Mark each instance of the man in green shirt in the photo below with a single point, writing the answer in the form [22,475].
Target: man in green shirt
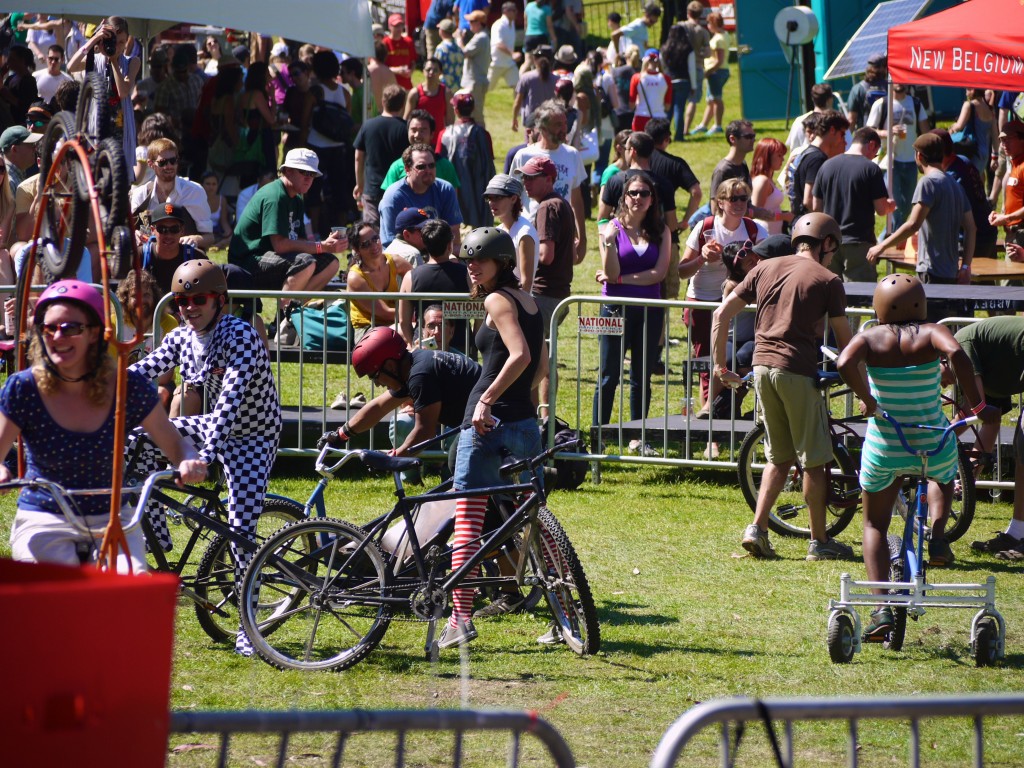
[995,347]
[422,130]
[269,240]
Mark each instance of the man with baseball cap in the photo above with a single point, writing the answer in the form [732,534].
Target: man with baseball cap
[269,240]
[408,242]
[401,51]
[940,209]
[1011,138]
[18,146]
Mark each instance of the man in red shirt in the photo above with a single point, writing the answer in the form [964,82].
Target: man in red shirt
[1011,137]
[401,52]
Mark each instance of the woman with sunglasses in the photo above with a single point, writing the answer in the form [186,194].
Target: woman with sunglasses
[634,248]
[374,272]
[511,339]
[62,410]
[504,196]
[225,357]
[702,265]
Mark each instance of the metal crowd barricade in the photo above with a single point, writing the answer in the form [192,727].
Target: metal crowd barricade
[733,714]
[344,724]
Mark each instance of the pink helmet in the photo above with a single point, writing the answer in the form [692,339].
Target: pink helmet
[70,290]
[375,348]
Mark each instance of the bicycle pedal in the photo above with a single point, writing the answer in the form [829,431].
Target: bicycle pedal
[787,512]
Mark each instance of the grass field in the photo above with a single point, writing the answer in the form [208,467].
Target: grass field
[685,618]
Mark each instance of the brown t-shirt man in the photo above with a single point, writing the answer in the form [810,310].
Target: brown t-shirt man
[556,222]
[794,295]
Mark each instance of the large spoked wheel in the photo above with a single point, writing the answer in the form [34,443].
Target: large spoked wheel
[840,638]
[893,641]
[66,214]
[92,115]
[110,178]
[333,588]
[565,586]
[986,643]
[790,517]
[215,584]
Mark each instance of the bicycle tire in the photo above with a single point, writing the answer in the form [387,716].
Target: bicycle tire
[337,617]
[215,577]
[120,252]
[786,517]
[110,179]
[965,496]
[66,216]
[566,587]
[893,641]
[92,113]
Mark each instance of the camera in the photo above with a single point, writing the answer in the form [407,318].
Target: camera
[109,43]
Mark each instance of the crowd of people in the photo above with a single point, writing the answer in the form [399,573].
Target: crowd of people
[288,155]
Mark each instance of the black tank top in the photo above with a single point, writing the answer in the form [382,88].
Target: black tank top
[515,403]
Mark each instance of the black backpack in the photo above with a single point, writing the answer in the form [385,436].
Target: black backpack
[332,121]
[566,475]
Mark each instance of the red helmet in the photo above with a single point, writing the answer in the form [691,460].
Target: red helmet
[74,291]
[375,348]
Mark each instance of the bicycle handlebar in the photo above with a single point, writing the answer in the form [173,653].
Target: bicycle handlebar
[69,509]
[946,432]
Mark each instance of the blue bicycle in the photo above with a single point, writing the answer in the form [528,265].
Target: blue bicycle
[907,591]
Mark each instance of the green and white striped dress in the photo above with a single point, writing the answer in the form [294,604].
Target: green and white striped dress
[910,395]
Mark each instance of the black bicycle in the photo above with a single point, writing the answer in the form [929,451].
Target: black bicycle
[320,594]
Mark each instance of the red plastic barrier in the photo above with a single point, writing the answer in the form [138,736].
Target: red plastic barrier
[87,666]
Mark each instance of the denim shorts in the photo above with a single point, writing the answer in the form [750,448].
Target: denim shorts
[479,459]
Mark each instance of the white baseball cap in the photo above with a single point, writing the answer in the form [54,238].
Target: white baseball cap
[302,160]
[280,50]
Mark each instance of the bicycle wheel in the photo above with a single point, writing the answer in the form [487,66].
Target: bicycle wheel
[120,252]
[92,114]
[893,641]
[110,178]
[961,514]
[566,587]
[217,609]
[334,585]
[789,515]
[66,214]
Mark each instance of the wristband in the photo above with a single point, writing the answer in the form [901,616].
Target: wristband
[618,280]
[319,247]
[965,267]
[978,408]
[343,432]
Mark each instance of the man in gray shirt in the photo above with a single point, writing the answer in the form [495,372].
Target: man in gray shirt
[940,210]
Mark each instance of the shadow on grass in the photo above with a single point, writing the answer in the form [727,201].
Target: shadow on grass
[617,613]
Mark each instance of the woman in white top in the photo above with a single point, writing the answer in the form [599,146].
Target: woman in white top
[769,155]
[702,265]
[504,196]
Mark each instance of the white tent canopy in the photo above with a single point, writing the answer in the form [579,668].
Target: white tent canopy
[343,25]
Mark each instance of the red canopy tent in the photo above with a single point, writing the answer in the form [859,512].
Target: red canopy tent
[978,44]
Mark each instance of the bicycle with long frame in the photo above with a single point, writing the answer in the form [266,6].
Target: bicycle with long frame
[344,583]
[908,592]
[788,516]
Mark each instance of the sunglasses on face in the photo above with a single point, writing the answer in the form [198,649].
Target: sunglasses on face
[308,174]
[66,329]
[165,161]
[643,194]
[748,136]
[371,240]
[196,299]
[168,230]
[36,124]
[737,198]
[424,166]
[747,249]
[53,58]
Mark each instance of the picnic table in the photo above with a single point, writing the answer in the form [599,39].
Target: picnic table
[983,270]
[984,297]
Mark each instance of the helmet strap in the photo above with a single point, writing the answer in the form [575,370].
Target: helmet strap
[221,301]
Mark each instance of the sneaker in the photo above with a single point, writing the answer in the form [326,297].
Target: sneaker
[1013,553]
[882,622]
[506,602]
[642,449]
[697,130]
[940,553]
[286,336]
[552,637]
[829,550]
[452,636]
[755,541]
[714,129]
[342,403]
[998,543]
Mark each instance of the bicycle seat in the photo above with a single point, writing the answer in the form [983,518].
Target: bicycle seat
[384,463]
[827,379]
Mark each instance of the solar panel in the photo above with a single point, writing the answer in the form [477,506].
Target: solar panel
[871,38]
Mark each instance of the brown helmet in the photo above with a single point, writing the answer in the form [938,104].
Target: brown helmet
[199,276]
[900,299]
[815,227]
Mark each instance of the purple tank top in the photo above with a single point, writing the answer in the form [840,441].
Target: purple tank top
[629,262]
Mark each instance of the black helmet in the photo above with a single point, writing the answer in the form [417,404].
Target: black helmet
[489,243]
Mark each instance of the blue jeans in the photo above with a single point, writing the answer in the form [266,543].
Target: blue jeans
[715,83]
[904,182]
[479,460]
[680,95]
[642,329]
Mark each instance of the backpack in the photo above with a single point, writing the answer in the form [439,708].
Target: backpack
[566,475]
[709,223]
[332,121]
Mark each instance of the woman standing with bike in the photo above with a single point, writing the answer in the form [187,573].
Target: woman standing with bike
[634,250]
[223,358]
[500,408]
[62,409]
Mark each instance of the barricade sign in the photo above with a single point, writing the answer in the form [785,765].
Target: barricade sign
[602,326]
[464,310]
